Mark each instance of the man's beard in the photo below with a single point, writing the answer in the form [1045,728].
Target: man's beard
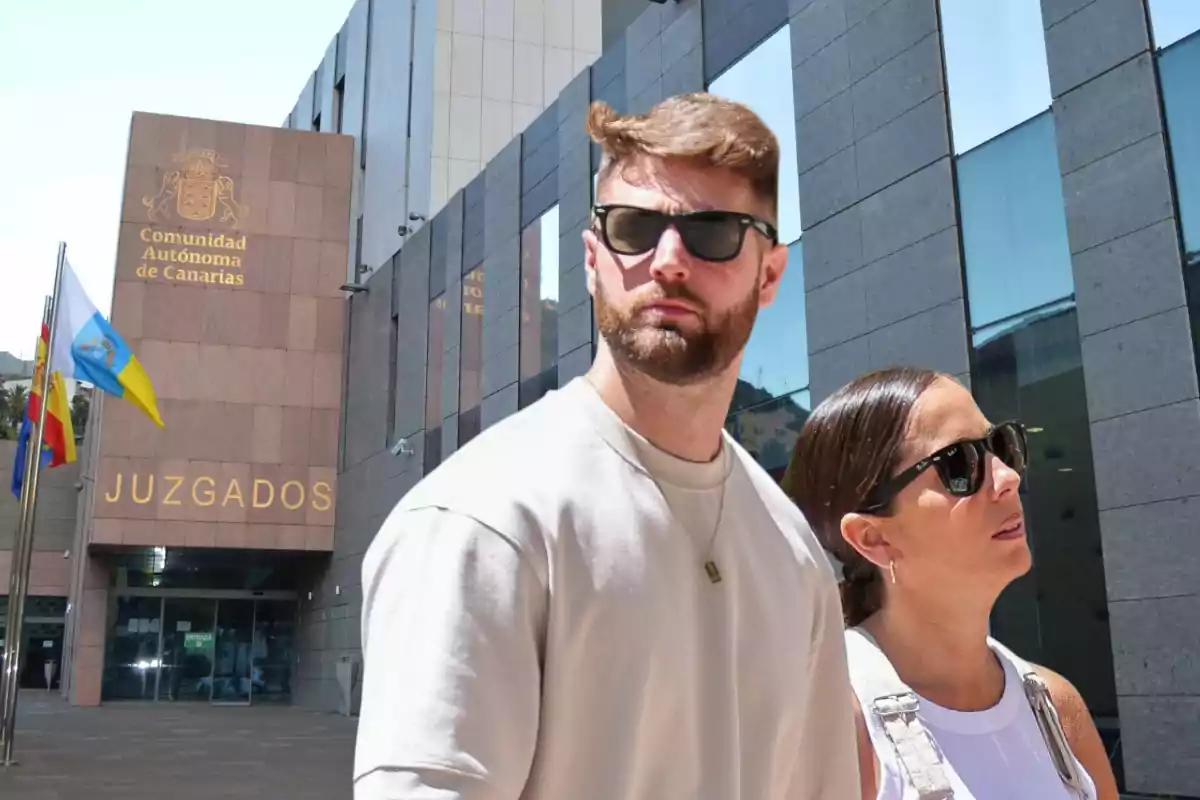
[671,352]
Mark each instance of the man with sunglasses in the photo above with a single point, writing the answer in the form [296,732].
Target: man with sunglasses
[603,595]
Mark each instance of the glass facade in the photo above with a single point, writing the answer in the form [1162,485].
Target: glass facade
[1028,366]
[435,366]
[995,67]
[1179,71]
[771,401]
[224,650]
[775,362]
[539,308]
[470,381]
[1014,228]
[1172,20]
[762,80]
[202,625]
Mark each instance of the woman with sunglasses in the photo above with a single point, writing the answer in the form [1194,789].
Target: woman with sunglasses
[915,492]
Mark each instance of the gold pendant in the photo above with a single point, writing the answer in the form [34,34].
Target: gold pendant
[714,574]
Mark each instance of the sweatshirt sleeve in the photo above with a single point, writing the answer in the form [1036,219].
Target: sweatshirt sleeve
[452,636]
[829,748]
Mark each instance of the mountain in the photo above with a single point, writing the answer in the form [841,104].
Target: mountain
[13,367]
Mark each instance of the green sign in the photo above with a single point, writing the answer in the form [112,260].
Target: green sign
[197,641]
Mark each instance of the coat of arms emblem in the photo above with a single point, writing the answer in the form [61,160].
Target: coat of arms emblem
[199,190]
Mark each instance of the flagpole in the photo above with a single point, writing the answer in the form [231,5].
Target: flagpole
[18,542]
[19,577]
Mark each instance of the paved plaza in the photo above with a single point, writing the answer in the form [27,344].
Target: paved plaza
[176,752]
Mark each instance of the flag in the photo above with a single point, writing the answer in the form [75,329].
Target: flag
[18,473]
[58,438]
[87,348]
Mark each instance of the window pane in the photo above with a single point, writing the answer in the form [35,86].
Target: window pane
[451,336]
[432,455]
[436,359]
[776,359]
[539,294]
[539,307]
[1014,224]
[762,81]
[472,341]
[1173,20]
[995,67]
[1057,614]
[468,425]
[768,431]
[1179,69]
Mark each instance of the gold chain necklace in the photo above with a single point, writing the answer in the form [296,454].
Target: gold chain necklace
[710,565]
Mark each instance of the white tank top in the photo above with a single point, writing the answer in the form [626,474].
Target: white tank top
[995,754]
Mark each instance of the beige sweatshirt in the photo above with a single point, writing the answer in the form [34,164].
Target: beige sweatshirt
[537,624]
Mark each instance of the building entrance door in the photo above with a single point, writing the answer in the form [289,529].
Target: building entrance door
[186,668]
[233,670]
[184,647]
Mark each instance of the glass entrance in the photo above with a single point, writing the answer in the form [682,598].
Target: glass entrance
[199,649]
[235,647]
[187,655]
[131,651]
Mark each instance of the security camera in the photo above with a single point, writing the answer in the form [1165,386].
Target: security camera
[402,447]
[415,217]
[404,230]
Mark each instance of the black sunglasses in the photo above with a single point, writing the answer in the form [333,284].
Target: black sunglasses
[961,466]
[707,235]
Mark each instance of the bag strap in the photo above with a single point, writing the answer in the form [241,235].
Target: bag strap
[895,705]
[1042,704]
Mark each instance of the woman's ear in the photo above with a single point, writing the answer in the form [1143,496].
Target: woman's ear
[864,533]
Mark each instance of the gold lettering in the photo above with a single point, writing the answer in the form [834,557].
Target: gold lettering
[271,497]
[293,494]
[144,234]
[133,489]
[115,495]
[209,495]
[322,500]
[178,481]
[233,490]
[473,291]
[283,495]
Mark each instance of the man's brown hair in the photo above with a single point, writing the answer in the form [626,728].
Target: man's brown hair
[696,126]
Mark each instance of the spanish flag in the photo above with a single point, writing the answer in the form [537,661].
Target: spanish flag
[58,440]
[88,349]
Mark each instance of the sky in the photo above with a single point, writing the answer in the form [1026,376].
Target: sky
[72,72]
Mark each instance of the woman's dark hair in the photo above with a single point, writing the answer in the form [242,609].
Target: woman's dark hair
[850,443]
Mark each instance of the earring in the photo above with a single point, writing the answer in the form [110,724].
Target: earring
[892,570]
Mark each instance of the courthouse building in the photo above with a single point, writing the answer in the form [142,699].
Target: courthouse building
[169,564]
[1008,192]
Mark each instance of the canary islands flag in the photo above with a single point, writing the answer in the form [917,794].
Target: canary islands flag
[87,348]
[58,439]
